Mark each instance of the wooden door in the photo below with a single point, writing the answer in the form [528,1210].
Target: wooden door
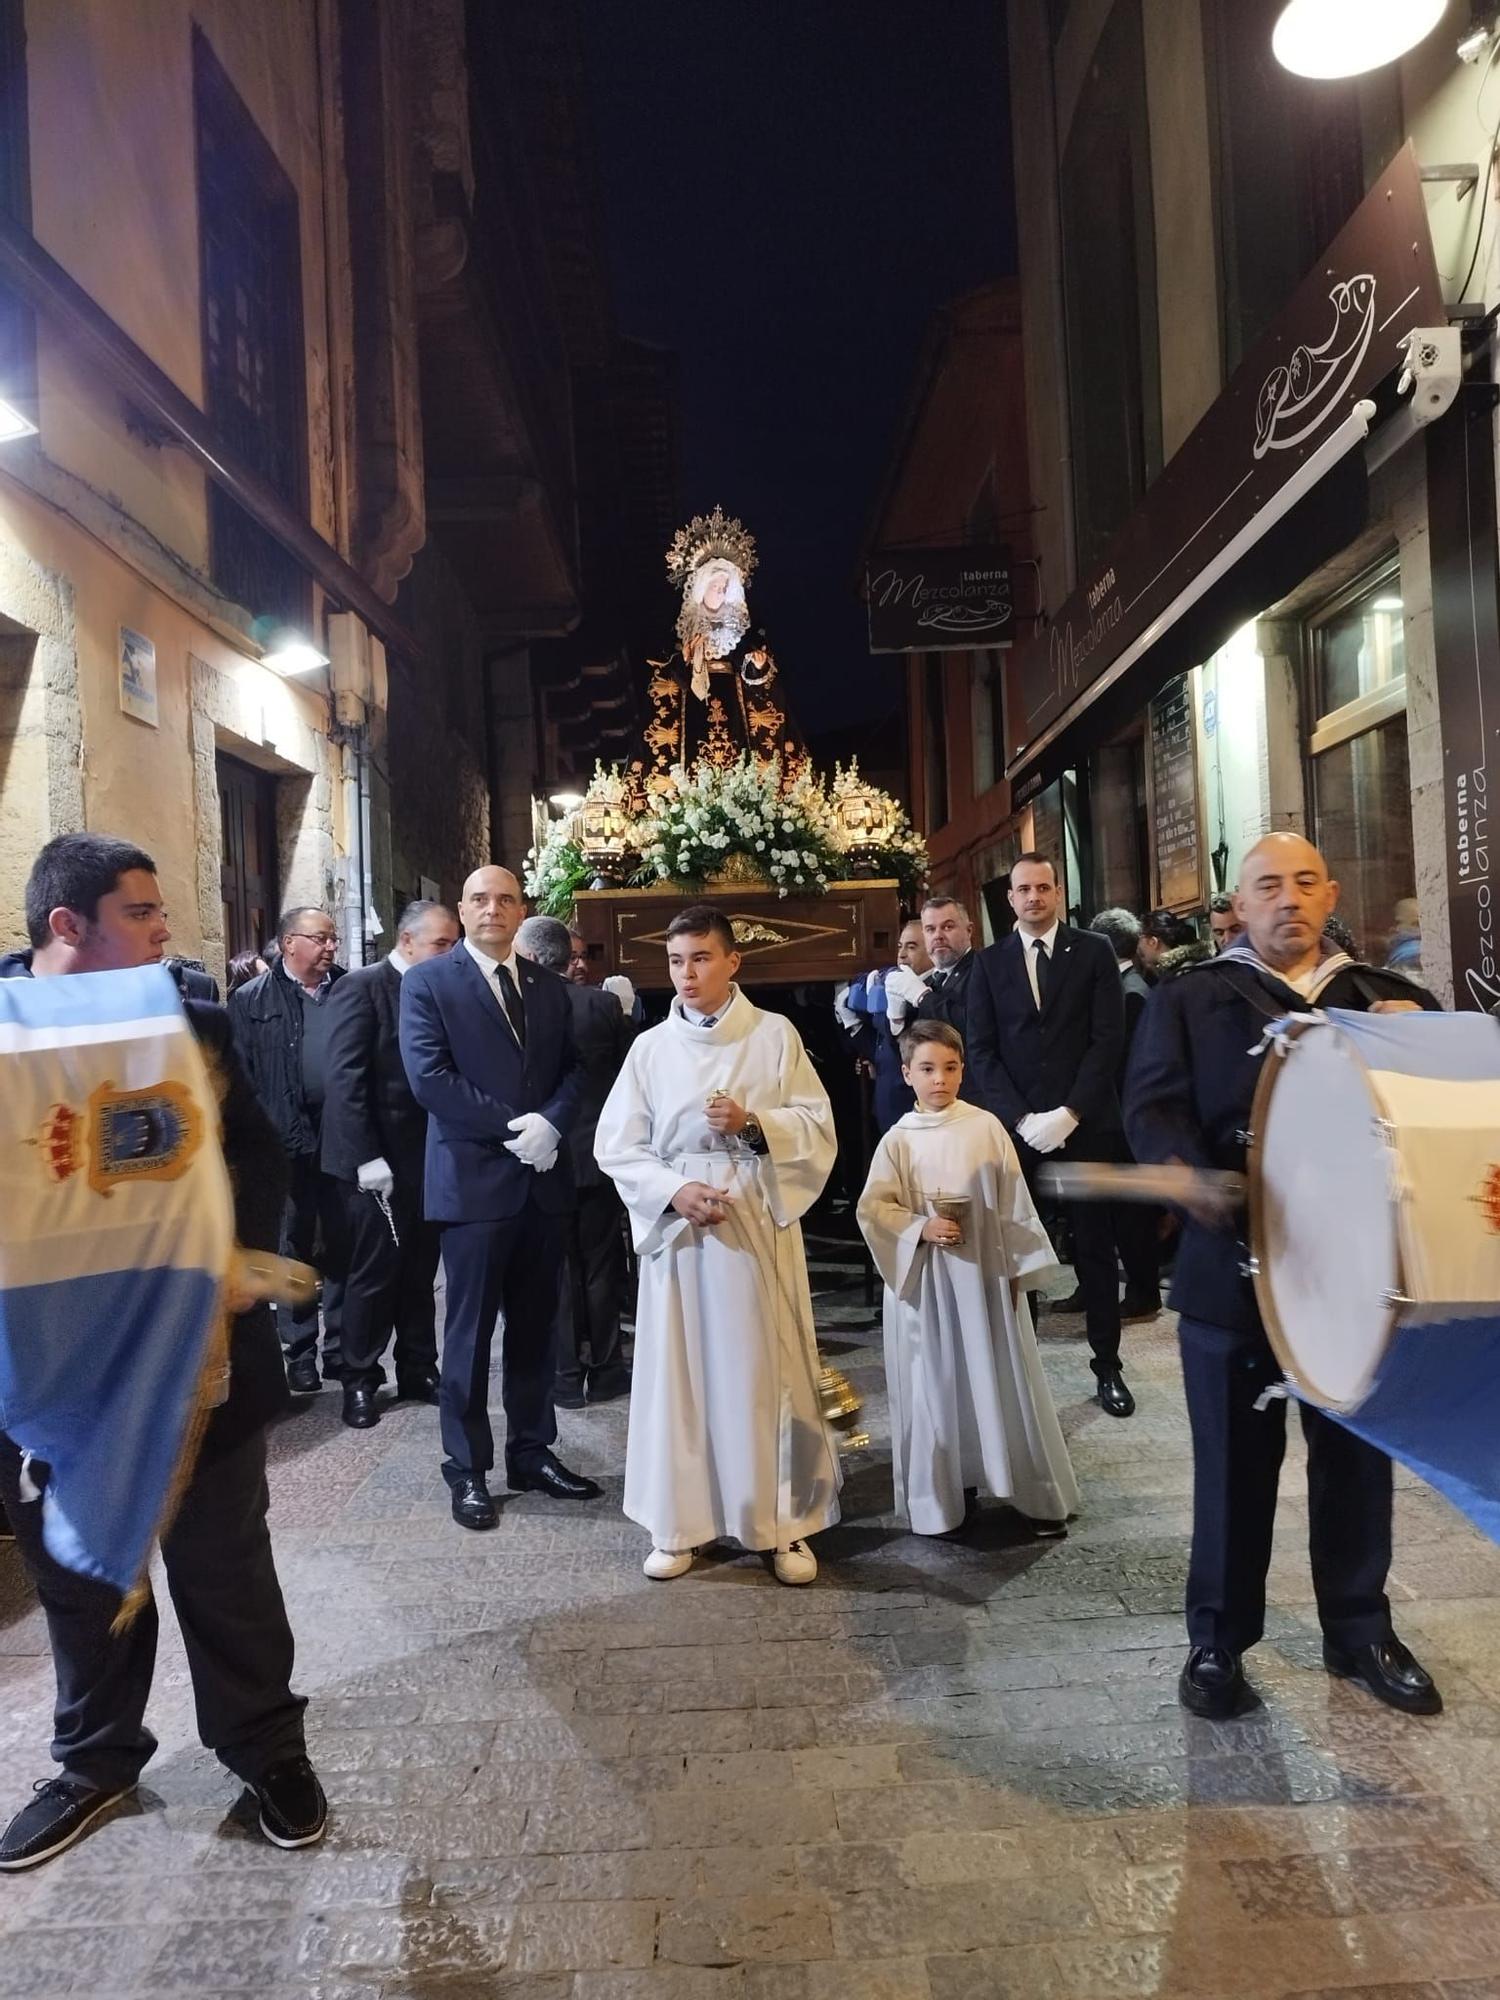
[247,873]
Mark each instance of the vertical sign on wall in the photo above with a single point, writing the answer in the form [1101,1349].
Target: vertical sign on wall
[1176,821]
[1466,640]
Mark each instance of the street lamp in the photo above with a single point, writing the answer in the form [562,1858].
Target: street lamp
[289,653]
[1334,38]
[14,423]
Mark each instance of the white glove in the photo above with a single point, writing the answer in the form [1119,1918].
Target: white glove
[375,1177]
[622,989]
[1047,1131]
[901,983]
[845,1013]
[536,1141]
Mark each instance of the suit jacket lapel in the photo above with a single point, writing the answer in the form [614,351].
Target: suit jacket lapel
[1057,971]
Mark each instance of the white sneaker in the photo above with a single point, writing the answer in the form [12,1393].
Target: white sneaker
[663,1564]
[797,1564]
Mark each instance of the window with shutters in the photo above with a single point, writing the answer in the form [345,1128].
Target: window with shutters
[254,390]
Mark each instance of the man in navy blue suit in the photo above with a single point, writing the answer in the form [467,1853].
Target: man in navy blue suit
[487,1040]
[1046,1031]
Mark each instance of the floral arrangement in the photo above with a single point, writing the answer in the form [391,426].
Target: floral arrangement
[711,816]
[739,824]
[556,871]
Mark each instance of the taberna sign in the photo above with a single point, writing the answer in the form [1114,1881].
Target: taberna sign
[1338,336]
[939,600]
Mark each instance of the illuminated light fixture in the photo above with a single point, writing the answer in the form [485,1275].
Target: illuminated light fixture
[1473,45]
[14,423]
[291,653]
[1391,604]
[566,802]
[1333,38]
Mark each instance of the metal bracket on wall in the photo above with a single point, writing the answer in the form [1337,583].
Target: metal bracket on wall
[1465,173]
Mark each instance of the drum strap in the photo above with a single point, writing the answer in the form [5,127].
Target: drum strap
[1249,987]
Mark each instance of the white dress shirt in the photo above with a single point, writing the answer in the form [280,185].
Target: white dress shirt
[401,964]
[1029,945]
[489,967]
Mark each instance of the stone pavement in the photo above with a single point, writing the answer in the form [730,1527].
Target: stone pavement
[945,1772]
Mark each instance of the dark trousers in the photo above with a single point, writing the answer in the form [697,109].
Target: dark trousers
[511,1266]
[389,1287]
[222,1578]
[592,1293]
[313,1231]
[1136,1233]
[1237,1454]
[1093,1232]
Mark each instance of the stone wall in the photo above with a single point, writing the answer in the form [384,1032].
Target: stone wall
[433,759]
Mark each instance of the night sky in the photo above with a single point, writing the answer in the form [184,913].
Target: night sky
[792,188]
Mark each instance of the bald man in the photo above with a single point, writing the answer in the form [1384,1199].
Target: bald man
[487,1040]
[1193,1071]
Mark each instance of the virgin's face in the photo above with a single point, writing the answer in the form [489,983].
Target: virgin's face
[714,589]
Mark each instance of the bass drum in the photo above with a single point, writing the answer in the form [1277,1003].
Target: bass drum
[1374,1171]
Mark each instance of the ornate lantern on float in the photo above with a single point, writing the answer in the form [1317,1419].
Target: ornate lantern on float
[606,832]
[865,818]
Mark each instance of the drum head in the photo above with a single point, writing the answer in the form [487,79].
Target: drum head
[1323,1220]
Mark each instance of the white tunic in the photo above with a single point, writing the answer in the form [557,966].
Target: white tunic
[726,1438]
[970,1404]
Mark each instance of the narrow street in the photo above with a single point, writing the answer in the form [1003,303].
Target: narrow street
[947,1770]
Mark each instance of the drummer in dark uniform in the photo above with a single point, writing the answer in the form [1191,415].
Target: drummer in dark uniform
[1192,1078]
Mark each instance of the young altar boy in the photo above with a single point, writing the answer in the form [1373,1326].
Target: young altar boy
[719,1137]
[970,1407]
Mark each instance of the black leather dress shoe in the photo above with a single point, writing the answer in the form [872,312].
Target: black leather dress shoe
[1073,1303]
[360,1412]
[1389,1672]
[1114,1398]
[569,1398]
[417,1388]
[608,1385]
[1136,1308]
[472,1505]
[302,1378]
[552,1479]
[1213,1684]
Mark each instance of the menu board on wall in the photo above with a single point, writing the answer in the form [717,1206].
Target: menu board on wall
[1176,825]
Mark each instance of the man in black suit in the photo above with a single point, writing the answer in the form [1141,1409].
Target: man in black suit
[1046,1027]
[941,993]
[1193,1075]
[1137,1223]
[590,1366]
[375,1146]
[487,1040]
[93,904]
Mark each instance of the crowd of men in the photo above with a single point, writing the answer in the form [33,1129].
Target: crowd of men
[439,1106]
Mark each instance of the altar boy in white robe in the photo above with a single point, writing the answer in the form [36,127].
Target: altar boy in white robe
[719,1137]
[970,1406]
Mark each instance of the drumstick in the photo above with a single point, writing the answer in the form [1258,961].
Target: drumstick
[1179,1186]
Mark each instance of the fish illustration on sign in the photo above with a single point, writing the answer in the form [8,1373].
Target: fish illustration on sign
[1299,396]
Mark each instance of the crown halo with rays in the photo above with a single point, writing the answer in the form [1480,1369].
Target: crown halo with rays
[706,537]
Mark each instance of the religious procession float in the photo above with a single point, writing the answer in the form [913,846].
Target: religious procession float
[722,803]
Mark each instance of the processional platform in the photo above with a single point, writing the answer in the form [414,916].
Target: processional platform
[790,940]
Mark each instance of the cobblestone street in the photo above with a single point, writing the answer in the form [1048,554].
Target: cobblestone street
[948,1769]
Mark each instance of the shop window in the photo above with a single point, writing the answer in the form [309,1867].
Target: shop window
[1360,776]
[935,741]
[254,391]
[1109,272]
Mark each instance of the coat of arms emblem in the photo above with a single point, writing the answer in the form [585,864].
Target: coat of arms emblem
[123,1136]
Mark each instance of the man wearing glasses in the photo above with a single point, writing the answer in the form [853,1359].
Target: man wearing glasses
[281,1023]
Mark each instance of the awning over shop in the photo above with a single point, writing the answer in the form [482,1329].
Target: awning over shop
[1267,488]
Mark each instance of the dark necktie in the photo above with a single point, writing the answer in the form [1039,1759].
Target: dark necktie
[708,1021]
[936,981]
[1043,971]
[510,1000]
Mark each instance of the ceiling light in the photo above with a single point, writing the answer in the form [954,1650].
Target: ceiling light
[291,653]
[566,802]
[1391,604]
[14,423]
[1331,38]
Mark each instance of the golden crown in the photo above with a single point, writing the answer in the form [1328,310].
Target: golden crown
[706,537]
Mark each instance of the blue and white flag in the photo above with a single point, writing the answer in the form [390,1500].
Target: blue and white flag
[116,1230]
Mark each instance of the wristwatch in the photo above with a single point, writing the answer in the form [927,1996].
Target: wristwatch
[753,1136]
